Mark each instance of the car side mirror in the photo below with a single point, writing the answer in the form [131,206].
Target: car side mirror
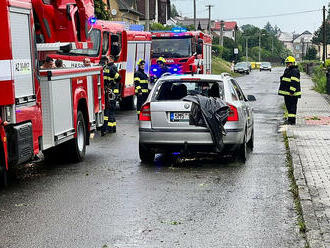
[251,98]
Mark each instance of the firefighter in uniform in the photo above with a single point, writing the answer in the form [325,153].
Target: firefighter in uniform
[112,93]
[141,81]
[162,66]
[290,88]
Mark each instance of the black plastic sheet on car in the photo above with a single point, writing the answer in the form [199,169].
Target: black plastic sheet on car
[209,112]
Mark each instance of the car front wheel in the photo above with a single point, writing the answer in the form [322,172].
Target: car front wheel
[146,155]
[250,144]
[242,150]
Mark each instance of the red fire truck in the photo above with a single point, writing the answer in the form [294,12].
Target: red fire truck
[184,51]
[42,108]
[62,20]
[128,46]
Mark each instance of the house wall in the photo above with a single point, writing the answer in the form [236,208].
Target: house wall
[122,16]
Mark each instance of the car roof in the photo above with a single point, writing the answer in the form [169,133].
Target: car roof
[221,77]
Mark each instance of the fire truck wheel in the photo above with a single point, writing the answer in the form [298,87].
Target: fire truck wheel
[3,171]
[3,178]
[79,143]
[127,103]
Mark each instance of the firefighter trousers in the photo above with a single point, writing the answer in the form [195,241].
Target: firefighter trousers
[291,106]
[141,98]
[110,123]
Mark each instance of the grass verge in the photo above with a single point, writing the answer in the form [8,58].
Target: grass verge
[220,65]
[294,188]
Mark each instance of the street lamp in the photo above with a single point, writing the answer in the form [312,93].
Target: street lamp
[247,48]
[260,45]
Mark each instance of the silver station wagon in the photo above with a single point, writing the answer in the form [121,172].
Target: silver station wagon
[164,118]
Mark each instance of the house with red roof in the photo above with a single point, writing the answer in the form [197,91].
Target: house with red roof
[229,29]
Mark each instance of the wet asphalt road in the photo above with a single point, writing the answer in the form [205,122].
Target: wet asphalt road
[112,200]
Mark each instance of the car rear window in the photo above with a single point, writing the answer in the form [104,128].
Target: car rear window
[176,90]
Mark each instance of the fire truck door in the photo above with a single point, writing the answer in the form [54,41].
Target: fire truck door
[204,58]
[139,52]
[131,63]
[91,110]
[147,57]
[22,54]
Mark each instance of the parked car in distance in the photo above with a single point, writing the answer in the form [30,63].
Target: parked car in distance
[164,118]
[265,66]
[242,67]
[249,65]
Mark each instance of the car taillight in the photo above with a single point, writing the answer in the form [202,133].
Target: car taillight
[233,114]
[145,114]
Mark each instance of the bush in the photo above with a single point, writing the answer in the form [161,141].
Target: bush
[218,50]
[320,79]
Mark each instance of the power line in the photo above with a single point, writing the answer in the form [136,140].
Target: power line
[275,15]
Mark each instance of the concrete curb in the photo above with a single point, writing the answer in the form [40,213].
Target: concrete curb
[313,230]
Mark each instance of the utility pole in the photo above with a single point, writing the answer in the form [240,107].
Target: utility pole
[247,49]
[324,57]
[272,46]
[259,46]
[209,6]
[146,3]
[195,20]
[221,32]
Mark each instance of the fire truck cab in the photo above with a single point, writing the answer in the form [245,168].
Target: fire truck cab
[127,46]
[184,51]
[42,108]
[62,20]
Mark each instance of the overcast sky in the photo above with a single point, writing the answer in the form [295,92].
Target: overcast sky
[231,10]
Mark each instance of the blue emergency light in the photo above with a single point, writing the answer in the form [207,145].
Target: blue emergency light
[92,20]
[179,30]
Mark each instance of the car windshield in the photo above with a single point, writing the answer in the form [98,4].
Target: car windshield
[171,47]
[265,64]
[178,89]
[241,64]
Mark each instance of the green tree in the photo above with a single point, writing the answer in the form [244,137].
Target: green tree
[100,11]
[311,54]
[318,35]
[271,48]
[269,28]
[174,11]
[158,26]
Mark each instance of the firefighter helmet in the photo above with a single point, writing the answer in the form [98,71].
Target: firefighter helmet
[161,60]
[290,59]
[141,62]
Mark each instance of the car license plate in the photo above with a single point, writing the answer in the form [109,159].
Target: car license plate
[179,117]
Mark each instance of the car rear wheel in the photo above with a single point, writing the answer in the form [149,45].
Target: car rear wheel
[146,155]
[242,151]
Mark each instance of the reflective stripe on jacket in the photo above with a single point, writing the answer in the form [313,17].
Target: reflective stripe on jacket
[141,82]
[290,82]
[112,78]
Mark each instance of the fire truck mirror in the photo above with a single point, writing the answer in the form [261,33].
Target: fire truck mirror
[199,48]
[68,11]
[66,48]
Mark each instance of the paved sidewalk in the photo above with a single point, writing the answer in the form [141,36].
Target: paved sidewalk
[309,144]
